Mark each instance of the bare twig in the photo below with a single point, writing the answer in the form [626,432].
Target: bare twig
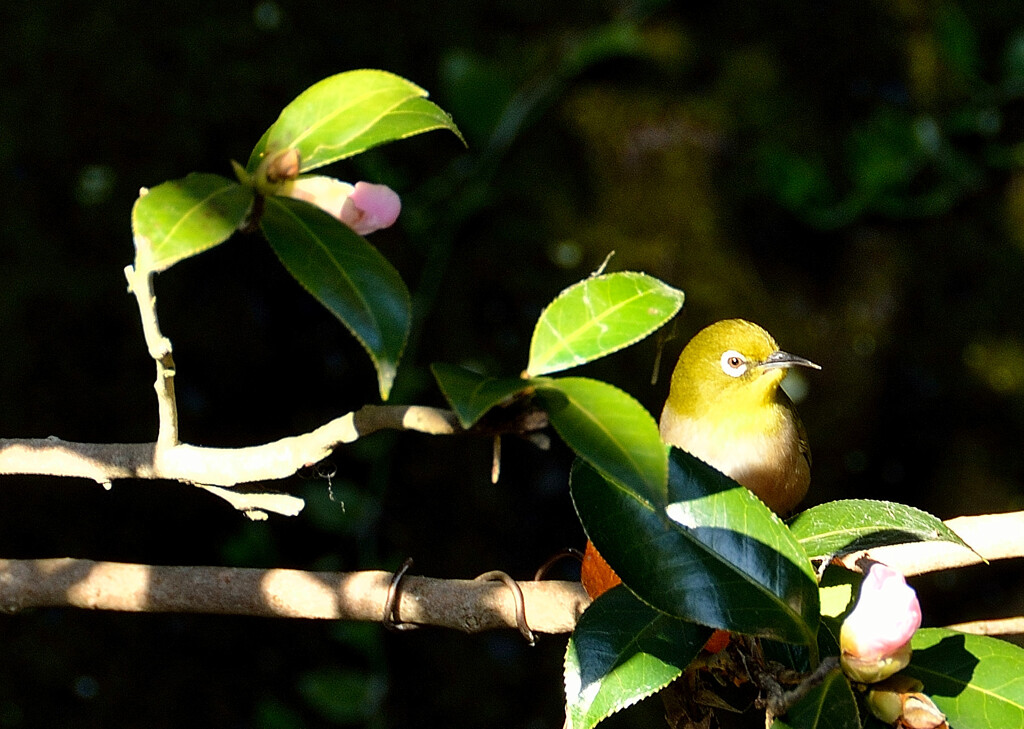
[777,701]
[106,462]
[1000,626]
[468,605]
[991,536]
[140,283]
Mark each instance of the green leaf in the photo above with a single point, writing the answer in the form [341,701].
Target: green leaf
[178,219]
[621,652]
[471,394]
[347,275]
[609,430]
[349,113]
[343,695]
[831,705]
[714,555]
[975,680]
[842,527]
[598,316]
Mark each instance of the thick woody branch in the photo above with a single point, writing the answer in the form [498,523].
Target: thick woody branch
[467,605]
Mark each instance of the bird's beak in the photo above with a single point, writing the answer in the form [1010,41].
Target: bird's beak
[780,359]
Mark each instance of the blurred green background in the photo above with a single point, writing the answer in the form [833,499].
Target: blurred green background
[848,175]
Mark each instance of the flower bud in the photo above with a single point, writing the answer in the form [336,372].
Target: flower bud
[875,637]
[364,207]
[284,166]
[370,207]
[898,701]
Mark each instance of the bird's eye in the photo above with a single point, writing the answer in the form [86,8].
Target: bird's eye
[734,364]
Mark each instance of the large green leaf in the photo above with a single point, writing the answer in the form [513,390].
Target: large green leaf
[347,275]
[622,651]
[830,705]
[976,681]
[609,430]
[598,316]
[714,554]
[180,218]
[471,394]
[842,527]
[349,113]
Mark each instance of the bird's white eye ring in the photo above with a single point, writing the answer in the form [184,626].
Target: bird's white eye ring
[733,363]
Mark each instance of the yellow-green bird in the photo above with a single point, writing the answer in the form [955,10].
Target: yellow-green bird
[726,407]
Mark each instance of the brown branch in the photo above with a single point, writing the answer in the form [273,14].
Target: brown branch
[140,283]
[467,605]
[997,626]
[107,462]
[991,536]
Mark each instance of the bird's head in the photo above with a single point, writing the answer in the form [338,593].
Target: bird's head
[728,366]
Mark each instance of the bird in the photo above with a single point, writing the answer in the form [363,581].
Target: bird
[726,407]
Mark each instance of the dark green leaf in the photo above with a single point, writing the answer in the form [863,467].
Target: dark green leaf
[714,555]
[830,705]
[347,114]
[347,275]
[622,651]
[609,430]
[180,218]
[598,316]
[975,680]
[343,695]
[842,527]
[471,394]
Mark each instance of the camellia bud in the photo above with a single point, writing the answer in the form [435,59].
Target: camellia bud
[898,701]
[875,637]
[370,207]
[284,166]
[364,207]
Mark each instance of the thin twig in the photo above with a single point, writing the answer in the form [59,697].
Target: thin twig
[107,462]
[998,626]
[140,283]
[991,536]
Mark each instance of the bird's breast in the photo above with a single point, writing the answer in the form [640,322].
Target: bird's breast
[764,456]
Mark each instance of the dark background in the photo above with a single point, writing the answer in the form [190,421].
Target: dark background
[846,174]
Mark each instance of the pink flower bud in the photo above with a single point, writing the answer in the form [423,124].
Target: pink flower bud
[364,207]
[875,637]
[370,207]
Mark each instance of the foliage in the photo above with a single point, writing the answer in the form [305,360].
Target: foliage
[713,556]
[899,164]
[336,118]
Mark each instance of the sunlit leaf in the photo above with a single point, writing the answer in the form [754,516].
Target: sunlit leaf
[622,651]
[347,275]
[349,113]
[609,430]
[471,394]
[975,680]
[180,218]
[714,554]
[842,527]
[830,705]
[598,316]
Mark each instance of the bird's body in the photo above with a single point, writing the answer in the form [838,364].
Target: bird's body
[726,407]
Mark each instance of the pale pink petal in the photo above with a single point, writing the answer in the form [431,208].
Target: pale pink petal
[370,207]
[885,618]
[326,193]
